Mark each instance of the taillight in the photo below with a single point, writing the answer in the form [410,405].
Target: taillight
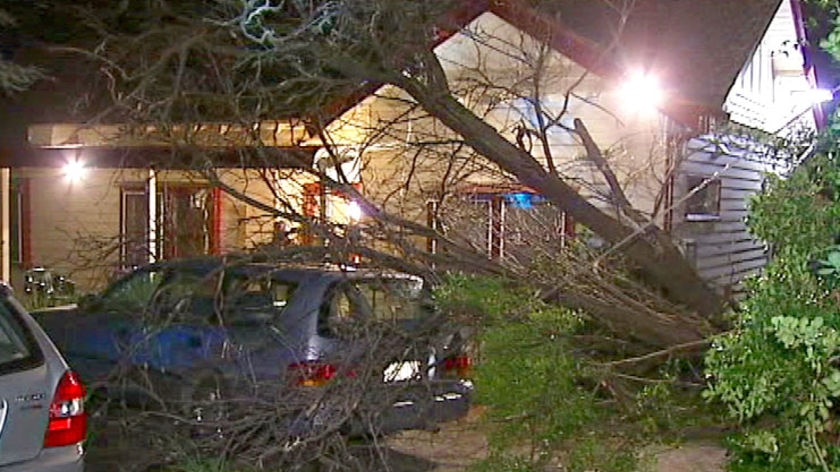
[314,373]
[458,365]
[68,420]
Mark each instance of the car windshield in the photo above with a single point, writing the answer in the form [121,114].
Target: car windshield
[133,292]
[197,296]
[17,346]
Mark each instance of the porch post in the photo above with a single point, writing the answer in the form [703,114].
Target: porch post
[153,230]
[5,224]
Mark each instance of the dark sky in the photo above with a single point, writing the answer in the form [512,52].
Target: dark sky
[39,25]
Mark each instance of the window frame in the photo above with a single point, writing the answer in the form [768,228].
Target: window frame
[711,189]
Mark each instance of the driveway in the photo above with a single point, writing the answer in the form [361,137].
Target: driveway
[116,447]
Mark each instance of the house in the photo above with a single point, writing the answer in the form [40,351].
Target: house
[742,60]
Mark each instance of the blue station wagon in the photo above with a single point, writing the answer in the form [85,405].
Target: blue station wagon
[196,326]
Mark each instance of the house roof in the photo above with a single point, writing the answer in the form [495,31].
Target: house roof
[697,47]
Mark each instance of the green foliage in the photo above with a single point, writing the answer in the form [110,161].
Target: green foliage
[542,398]
[829,267]
[776,372]
[831,43]
[529,378]
[829,9]
[505,462]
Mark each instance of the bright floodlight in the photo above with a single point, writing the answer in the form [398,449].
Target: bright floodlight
[641,92]
[74,170]
[354,211]
[817,96]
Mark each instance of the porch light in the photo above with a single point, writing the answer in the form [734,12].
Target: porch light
[74,170]
[641,92]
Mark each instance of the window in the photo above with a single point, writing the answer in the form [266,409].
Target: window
[135,228]
[322,204]
[132,293]
[702,202]
[255,300]
[394,299]
[501,222]
[187,222]
[341,312]
[188,227]
[20,231]
[187,297]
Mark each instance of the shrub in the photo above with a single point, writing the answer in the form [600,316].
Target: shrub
[544,405]
[777,370]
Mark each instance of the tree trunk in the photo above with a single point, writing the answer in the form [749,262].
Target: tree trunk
[662,264]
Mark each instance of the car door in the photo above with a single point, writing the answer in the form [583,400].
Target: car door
[103,332]
[181,328]
[26,387]
[259,339]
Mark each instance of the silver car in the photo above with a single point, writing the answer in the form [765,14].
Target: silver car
[42,418]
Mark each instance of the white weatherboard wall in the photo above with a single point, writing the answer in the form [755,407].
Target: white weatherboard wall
[66,217]
[75,225]
[722,249]
[770,92]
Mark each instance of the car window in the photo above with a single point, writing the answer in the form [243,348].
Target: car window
[382,299]
[256,299]
[394,299]
[343,309]
[132,293]
[185,297]
[18,348]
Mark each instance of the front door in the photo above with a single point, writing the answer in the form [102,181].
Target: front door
[188,221]
[185,223]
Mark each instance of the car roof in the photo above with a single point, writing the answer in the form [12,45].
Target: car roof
[254,267]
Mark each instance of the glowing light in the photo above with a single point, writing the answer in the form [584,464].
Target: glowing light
[641,92]
[354,211]
[520,200]
[817,96]
[74,170]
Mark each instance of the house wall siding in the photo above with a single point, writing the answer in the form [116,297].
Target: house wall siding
[75,226]
[723,250]
[769,92]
